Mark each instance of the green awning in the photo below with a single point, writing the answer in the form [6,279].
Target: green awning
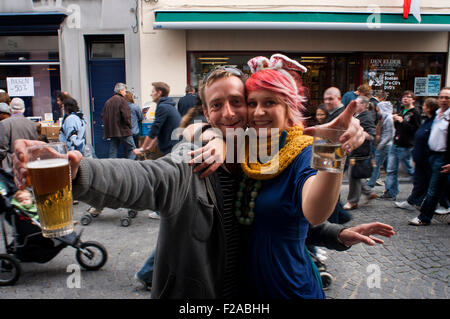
[298,20]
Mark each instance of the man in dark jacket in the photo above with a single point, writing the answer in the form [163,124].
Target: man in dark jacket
[167,119]
[187,101]
[406,124]
[116,118]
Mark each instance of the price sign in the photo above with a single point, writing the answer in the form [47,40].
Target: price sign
[20,86]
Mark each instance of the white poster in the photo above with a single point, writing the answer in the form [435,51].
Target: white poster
[420,86]
[20,86]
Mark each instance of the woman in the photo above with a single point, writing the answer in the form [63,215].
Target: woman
[136,116]
[358,185]
[73,126]
[60,97]
[321,114]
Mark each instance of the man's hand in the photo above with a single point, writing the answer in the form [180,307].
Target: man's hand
[20,160]
[445,169]
[210,157]
[353,136]
[363,234]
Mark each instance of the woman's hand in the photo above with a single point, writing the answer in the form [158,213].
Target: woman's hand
[353,136]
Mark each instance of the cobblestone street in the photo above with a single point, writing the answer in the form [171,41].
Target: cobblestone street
[414,263]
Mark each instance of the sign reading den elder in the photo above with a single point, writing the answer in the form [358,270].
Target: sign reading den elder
[20,86]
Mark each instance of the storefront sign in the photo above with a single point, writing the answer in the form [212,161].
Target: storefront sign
[383,74]
[20,86]
[420,86]
[434,84]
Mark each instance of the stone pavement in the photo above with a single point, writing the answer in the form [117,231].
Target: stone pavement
[414,263]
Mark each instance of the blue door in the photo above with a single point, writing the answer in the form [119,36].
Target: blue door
[106,67]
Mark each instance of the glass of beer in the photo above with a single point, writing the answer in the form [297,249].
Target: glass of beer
[327,154]
[49,173]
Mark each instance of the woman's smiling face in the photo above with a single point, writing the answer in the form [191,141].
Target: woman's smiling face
[266,110]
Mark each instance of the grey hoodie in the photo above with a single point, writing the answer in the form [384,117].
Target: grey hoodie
[387,129]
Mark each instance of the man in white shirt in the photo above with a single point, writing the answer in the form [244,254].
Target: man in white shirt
[437,142]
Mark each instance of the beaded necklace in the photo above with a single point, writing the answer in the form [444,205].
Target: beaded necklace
[246,216]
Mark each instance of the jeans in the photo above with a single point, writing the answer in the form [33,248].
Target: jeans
[422,175]
[397,155]
[435,188]
[127,141]
[356,186]
[146,271]
[380,157]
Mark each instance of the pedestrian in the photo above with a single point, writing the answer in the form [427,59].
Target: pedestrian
[383,140]
[73,126]
[362,153]
[405,124]
[194,114]
[60,97]
[193,259]
[188,101]
[13,128]
[321,114]
[362,90]
[136,117]
[167,119]
[438,157]
[116,118]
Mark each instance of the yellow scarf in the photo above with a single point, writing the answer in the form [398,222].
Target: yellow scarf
[295,143]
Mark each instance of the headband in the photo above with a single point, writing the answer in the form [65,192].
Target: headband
[278,62]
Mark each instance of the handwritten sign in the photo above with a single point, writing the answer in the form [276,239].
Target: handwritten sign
[420,86]
[20,86]
[434,84]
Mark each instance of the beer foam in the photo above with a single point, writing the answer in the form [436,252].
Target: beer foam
[48,163]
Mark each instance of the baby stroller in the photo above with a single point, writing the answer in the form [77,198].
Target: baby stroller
[29,245]
[93,212]
[318,257]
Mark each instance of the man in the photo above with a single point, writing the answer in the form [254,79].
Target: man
[405,125]
[332,101]
[116,118]
[187,101]
[13,128]
[437,159]
[193,259]
[167,119]
[362,90]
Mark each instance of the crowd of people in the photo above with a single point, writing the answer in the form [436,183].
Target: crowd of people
[229,229]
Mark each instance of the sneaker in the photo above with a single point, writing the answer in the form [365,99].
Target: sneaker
[442,211]
[142,284]
[404,205]
[350,206]
[386,196]
[379,182]
[417,222]
[153,215]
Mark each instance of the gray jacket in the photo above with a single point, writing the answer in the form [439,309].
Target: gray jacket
[387,128]
[190,252]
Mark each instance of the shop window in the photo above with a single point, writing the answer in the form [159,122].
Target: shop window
[28,48]
[395,73]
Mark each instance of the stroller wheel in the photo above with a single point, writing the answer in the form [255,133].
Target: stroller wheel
[91,255]
[125,221]
[9,270]
[132,213]
[327,279]
[86,219]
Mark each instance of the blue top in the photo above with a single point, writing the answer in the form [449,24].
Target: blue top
[73,132]
[185,103]
[136,117]
[421,150]
[167,119]
[348,97]
[278,266]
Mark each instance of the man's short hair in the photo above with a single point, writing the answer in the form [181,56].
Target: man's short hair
[363,100]
[17,105]
[164,88]
[189,88]
[119,87]
[409,92]
[333,91]
[212,77]
[364,89]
